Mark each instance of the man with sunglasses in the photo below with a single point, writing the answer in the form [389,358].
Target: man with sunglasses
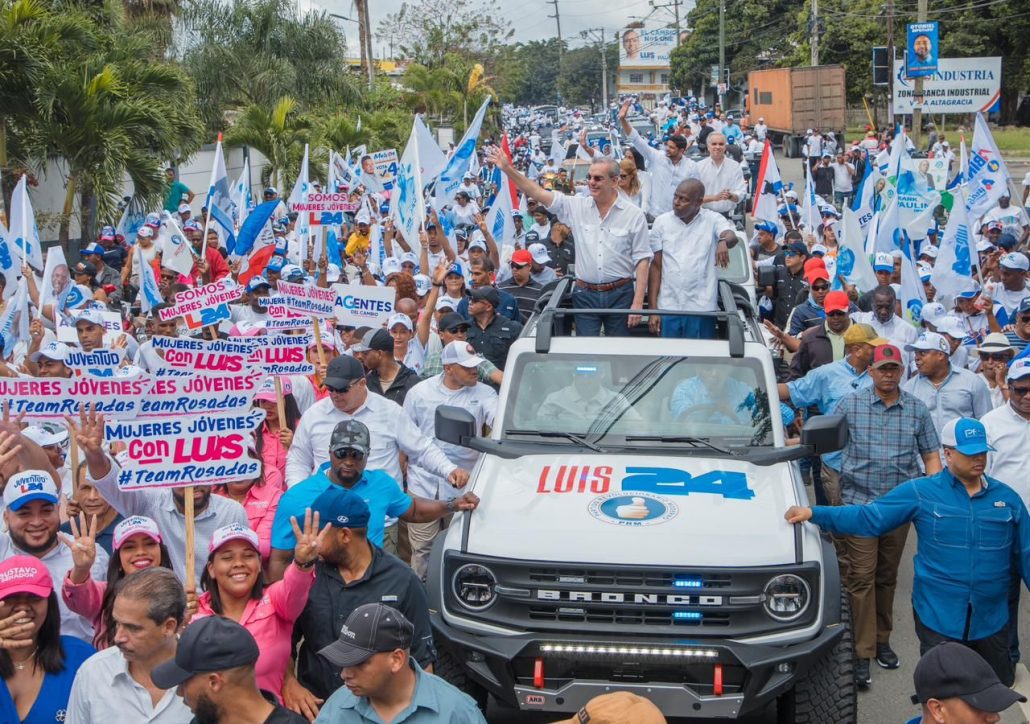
[947,390]
[521,286]
[613,253]
[790,281]
[823,343]
[452,326]
[350,451]
[392,430]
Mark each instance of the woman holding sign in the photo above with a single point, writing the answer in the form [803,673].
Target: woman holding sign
[273,439]
[137,546]
[234,587]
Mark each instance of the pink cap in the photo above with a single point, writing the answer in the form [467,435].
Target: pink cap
[24,574]
[136,524]
[266,391]
[232,532]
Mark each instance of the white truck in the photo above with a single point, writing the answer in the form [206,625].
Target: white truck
[630,534]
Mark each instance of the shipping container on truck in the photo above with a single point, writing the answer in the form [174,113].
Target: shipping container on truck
[792,100]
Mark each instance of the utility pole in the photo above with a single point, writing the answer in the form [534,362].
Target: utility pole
[597,34]
[723,75]
[675,5]
[890,62]
[917,93]
[557,21]
[814,42]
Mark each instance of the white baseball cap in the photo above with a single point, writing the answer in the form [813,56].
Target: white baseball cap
[402,319]
[332,272]
[1016,261]
[232,532]
[929,342]
[91,315]
[46,434]
[409,257]
[932,312]
[136,524]
[57,351]
[145,231]
[1019,369]
[928,250]
[951,326]
[29,485]
[423,285]
[539,252]
[883,261]
[461,353]
[391,265]
[184,208]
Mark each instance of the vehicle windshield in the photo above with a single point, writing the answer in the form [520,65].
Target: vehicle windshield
[737,271]
[612,400]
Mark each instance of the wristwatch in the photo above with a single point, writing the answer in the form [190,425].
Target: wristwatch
[451,505]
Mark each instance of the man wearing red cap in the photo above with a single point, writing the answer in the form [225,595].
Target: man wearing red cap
[818,279]
[521,285]
[823,343]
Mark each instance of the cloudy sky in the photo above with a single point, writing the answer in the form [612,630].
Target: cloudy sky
[534,23]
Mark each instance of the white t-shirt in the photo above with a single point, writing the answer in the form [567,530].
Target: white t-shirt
[842,176]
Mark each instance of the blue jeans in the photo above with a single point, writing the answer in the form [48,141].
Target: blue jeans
[842,198]
[615,325]
[688,327]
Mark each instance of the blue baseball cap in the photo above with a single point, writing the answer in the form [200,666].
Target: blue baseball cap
[455,268]
[966,435]
[341,508]
[796,248]
[29,485]
[276,263]
[93,249]
[256,283]
[768,227]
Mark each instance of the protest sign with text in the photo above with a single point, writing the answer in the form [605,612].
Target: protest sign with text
[282,354]
[51,398]
[98,363]
[205,305]
[306,299]
[363,306]
[197,450]
[216,357]
[199,394]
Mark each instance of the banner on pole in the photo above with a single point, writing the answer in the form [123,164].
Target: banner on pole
[214,357]
[207,305]
[363,306]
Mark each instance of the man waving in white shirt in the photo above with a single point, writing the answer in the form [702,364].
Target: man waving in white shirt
[667,168]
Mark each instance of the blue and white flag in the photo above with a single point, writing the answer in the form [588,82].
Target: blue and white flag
[9,265]
[866,202]
[149,292]
[987,176]
[176,252]
[499,220]
[14,322]
[134,215]
[459,162]
[433,160]
[220,207]
[407,204]
[24,234]
[241,197]
[852,262]
[956,259]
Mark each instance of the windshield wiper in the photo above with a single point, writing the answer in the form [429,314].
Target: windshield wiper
[566,435]
[695,441]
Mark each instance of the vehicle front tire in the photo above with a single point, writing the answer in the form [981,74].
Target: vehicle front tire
[448,668]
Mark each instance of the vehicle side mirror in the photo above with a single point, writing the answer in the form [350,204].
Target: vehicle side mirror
[455,425]
[766,277]
[824,433]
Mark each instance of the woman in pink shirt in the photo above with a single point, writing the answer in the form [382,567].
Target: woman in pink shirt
[274,440]
[234,587]
[260,498]
[137,546]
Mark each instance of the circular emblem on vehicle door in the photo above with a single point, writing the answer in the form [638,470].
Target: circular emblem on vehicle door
[632,509]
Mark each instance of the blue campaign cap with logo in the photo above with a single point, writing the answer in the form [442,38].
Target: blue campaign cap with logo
[341,508]
[966,435]
[276,263]
[767,226]
[27,486]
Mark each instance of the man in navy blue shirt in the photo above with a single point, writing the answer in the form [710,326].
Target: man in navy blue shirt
[974,533]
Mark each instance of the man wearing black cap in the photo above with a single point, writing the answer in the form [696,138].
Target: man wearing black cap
[382,681]
[213,672]
[954,685]
[790,281]
[349,450]
[452,326]
[392,431]
[491,334]
[386,376]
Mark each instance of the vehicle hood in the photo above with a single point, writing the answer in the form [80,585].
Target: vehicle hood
[633,509]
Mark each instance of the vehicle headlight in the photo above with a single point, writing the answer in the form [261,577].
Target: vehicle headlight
[787,597]
[473,586]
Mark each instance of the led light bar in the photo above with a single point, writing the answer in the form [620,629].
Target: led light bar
[607,650]
[689,583]
[687,615]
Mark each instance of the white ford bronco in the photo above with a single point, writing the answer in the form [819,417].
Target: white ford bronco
[630,534]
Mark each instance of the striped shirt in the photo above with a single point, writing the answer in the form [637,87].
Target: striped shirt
[885,444]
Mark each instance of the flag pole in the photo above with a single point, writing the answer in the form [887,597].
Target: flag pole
[207,203]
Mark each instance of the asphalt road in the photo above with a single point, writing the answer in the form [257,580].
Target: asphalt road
[888,699]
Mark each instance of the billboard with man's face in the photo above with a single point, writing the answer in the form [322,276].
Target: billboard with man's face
[921,59]
[646,47]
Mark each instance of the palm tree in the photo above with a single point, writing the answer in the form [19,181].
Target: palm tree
[108,114]
[279,134]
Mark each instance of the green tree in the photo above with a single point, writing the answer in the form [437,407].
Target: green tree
[253,52]
[279,134]
[580,78]
[429,31]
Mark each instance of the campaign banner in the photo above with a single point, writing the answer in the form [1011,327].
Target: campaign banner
[49,399]
[921,58]
[362,306]
[98,363]
[177,393]
[328,202]
[646,47]
[205,305]
[279,323]
[306,299]
[386,167]
[959,85]
[282,354]
[214,357]
[197,450]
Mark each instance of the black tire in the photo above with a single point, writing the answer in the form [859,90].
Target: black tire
[448,668]
[827,694]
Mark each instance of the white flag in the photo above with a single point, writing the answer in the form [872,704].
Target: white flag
[149,292]
[956,258]
[499,220]
[220,207]
[852,261]
[9,263]
[433,160]
[24,234]
[407,206]
[988,177]
[241,198]
[299,195]
[14,322]
[176,252]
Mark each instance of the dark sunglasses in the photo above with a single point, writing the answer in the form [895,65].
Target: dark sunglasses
[518,266]
[837,313]
[598,178]
[1024,318]
[821,288]
[457,330]
[348,452]
[339,390]
[1019,391]
[996,356]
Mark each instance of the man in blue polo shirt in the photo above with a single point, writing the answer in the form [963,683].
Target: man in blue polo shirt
[348,454]
[974,534]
